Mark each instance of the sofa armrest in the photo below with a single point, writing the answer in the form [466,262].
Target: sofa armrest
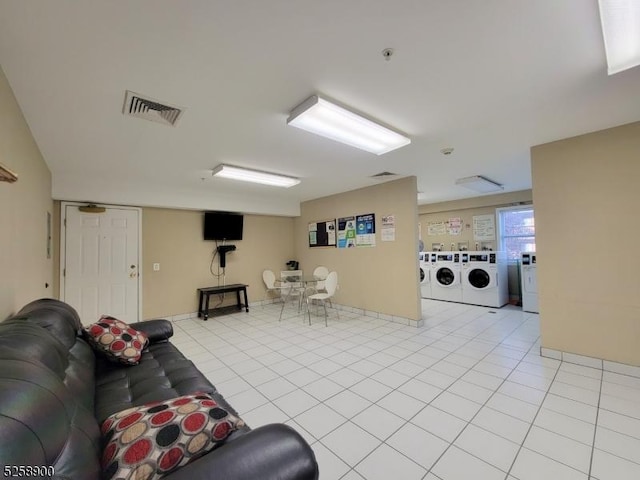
[159,330]
[271,452]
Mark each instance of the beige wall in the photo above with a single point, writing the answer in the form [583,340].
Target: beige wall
[466,209]
[586,195]
[383,278]
[24,268]
[173,238]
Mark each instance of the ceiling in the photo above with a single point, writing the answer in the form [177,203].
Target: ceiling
[490,78]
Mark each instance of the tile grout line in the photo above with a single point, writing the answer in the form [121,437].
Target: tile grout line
[443,390]
[401,339]
[595,426]
[474,416]
[532,424]
[279,375]
[428,470]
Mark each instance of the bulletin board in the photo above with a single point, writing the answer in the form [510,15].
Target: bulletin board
[322,234]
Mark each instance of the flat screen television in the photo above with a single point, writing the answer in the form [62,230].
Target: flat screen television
[223,226]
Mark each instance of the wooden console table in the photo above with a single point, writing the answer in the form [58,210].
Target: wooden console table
[205,293]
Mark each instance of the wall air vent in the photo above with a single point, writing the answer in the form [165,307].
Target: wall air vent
[136,105]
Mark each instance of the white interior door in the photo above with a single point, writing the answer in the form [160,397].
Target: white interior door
[101,262]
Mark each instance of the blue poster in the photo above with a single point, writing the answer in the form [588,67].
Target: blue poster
[366,230]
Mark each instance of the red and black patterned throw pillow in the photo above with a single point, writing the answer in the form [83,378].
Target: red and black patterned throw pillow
[117,340]
[147,442]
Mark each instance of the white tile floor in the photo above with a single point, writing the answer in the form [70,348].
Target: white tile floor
[465,397]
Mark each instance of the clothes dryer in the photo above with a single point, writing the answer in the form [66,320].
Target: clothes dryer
[484,279]
[445,276]
[425,274]
[529,280]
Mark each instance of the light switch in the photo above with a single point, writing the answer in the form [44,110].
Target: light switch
[156,267]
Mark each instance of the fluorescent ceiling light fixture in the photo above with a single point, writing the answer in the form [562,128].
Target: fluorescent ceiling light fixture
[621,31]
[479,183]
[254,176]
[324,118]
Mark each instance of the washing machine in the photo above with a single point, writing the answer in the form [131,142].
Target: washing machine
[484,279]
[425,274]
[445,276]
[529,280]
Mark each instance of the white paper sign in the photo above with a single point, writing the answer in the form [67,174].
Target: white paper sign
[436,228]
[454,226]
[388,230]
[484,227]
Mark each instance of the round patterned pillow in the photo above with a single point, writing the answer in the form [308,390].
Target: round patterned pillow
[117,340]
[147,442]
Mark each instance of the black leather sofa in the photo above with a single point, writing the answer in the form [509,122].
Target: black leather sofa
[55,392]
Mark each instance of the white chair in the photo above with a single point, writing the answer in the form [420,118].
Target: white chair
[269,279]
[330,284]
[321,272]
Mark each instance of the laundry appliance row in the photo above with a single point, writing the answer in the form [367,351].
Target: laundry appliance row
[474,277]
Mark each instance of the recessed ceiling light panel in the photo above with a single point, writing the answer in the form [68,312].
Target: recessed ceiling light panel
[479,183]
[324,118]
[254,176]
[621,31]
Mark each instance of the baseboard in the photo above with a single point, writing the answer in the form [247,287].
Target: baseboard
[585,361]
[346,308]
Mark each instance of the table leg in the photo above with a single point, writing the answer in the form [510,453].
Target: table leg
[286,298]
[301,297]
[206,312]
[238,299]
[200,312]
[304,295]
[246,300]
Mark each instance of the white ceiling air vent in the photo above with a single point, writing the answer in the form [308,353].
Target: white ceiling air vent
[383,176]
[136,105]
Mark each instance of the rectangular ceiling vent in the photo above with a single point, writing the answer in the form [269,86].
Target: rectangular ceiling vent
[136,105]
[384,176]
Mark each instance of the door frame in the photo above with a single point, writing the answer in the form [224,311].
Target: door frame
[63,250]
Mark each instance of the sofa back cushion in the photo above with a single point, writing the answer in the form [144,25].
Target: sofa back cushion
[59,318]
[41,424]
[47,392]
[35,343]
[47,331]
